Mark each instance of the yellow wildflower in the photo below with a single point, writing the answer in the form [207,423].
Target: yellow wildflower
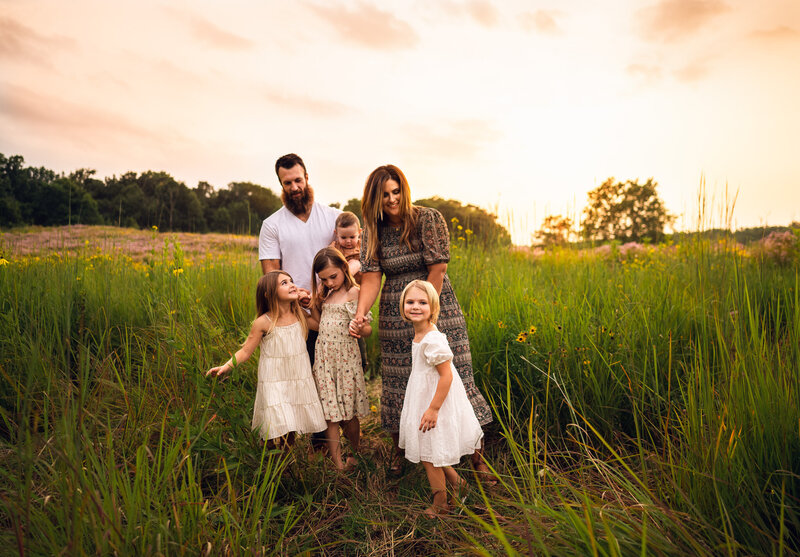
[154,228]
[373,408]
[454,220]
[3,261]
[468,232]
[522,337]
[501,325]
[177,271]
[532,330]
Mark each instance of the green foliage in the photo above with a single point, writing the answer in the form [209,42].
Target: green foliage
[484,226]
[645,404]
[354,206]
[556,230]
[628,212]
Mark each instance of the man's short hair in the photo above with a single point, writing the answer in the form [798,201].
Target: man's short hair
[288,162]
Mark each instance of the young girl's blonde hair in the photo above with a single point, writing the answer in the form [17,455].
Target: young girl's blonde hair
[325,258]
[430,292]
[267,300]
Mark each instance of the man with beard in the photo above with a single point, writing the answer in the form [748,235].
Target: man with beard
[292,236]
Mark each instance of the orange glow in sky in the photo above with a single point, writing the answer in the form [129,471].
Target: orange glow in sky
[517,106]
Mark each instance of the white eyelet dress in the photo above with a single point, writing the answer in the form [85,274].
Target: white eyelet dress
[286,396]
[457,432]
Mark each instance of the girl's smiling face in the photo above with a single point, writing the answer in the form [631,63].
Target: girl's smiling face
[331,278]
[416,307]
[287,291]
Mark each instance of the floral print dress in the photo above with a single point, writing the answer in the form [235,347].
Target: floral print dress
[338,371]
[401,265]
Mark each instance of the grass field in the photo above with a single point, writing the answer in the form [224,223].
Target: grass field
[646,402]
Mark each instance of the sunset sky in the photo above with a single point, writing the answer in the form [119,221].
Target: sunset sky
[519,107]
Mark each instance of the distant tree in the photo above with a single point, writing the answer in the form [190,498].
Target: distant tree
[354,206]
[483,224]
[556,230]
[626,211]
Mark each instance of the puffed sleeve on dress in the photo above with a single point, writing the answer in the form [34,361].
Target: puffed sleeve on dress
[435,237]
[368,265]
[435,349]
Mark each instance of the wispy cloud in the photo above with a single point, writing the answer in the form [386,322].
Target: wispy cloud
[777,34]
[695,71]
[368,26]
[20,42]
[671,20]
[306,105]
[482,12]
[210,33]
[85,124]
[455,139]
[542,21]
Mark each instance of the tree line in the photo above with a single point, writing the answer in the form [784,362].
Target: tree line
[40,196]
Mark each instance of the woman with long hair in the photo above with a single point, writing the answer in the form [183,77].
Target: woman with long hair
[403,242]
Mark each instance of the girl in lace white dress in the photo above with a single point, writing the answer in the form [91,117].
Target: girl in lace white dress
[437,423]
[286,397]
[338,369]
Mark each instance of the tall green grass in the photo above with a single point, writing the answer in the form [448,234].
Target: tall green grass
[651,407]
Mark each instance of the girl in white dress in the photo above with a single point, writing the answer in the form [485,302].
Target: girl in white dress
[286,397]
[437,423]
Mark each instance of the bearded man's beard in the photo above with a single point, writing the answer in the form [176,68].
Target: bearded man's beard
[298,205]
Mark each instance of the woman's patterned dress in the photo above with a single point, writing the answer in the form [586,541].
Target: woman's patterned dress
[400,266]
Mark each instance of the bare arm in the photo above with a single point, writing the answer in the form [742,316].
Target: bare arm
[257,331]
[313,319]
[436,275]
[431,415]
[370,287]
[268,265]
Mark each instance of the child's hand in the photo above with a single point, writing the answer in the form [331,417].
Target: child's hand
[219,370]
[355,326]
[304,298]
[429,419]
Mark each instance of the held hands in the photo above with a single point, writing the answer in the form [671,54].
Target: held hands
[304,298]
[429,419]
[355,326]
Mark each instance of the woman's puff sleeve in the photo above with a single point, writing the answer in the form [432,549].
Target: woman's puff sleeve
[435,237]
[435,349]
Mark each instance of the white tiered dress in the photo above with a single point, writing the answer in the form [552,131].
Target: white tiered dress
[286,396]
[457,432]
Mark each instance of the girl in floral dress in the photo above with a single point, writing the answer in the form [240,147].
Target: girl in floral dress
[338,372]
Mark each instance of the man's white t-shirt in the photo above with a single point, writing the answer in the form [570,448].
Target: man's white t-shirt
[286,237]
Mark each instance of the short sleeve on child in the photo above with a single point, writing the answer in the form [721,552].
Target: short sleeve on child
[435,349]
[434,236]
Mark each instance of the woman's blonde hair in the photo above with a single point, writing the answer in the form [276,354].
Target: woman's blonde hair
[430,292]
[267,301]
[329,257]
[372,208]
